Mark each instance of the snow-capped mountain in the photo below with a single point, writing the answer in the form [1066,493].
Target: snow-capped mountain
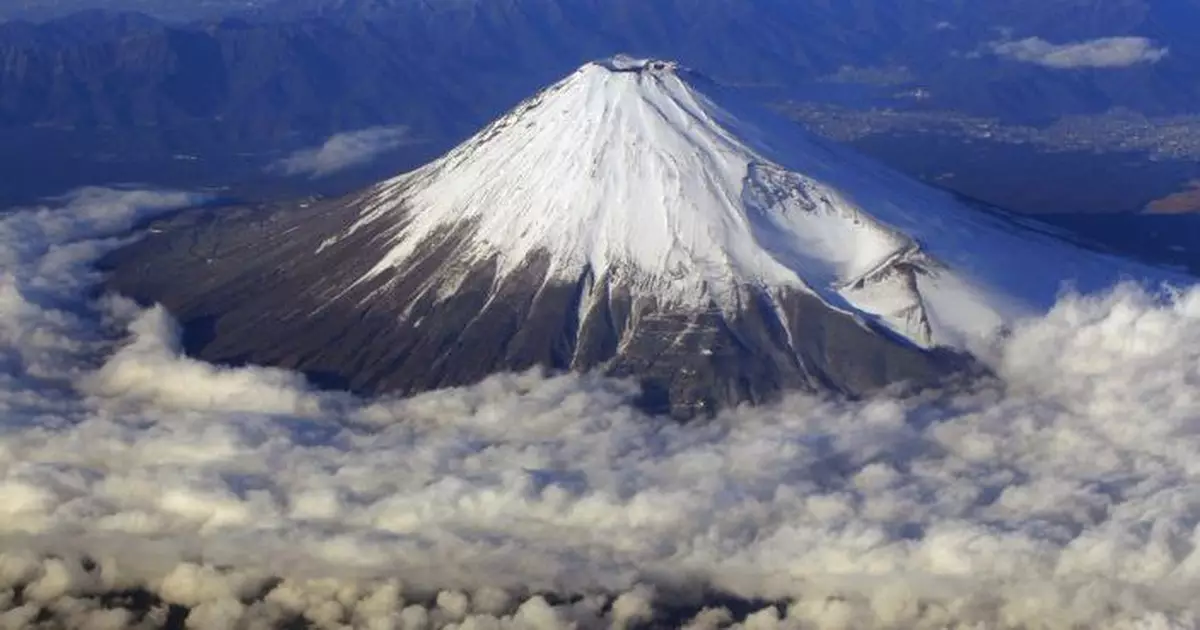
[634,218]
[638,171]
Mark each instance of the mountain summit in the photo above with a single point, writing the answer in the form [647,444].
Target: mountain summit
[635,218]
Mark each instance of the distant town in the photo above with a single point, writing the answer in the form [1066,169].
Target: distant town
[1165,138]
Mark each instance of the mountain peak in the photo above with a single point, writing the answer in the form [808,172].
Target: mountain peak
[628,169]
[628,63]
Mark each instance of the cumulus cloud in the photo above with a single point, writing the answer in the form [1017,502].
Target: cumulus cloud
[138,486]
[343,151]
[153,348]
[1106,52]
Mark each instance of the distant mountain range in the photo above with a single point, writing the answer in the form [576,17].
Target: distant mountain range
[173,10]
[276,78]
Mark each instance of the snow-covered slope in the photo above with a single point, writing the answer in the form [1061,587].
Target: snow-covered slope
[653,177]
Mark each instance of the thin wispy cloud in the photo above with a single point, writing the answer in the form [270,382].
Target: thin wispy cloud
[1107,52]
[344,151]
[1062,493]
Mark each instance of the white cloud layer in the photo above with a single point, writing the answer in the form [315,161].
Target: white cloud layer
[343,151]
[1064,493]
[1106,52]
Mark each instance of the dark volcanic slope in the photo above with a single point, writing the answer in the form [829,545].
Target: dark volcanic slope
[249,288]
